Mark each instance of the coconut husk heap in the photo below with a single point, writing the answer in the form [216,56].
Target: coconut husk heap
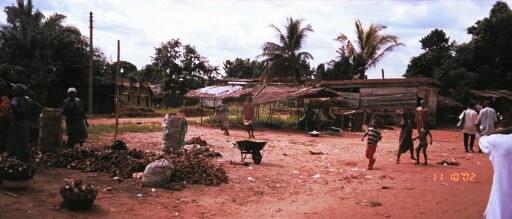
[197,170]
[12,169]
[186,169]
[115,162]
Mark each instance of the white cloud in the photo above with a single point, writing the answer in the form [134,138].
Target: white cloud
[227,29]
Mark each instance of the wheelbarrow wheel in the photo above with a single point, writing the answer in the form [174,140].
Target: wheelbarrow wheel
[256,157]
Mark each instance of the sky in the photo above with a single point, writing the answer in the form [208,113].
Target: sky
[226,29]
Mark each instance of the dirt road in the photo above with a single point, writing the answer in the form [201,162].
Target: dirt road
[289,183]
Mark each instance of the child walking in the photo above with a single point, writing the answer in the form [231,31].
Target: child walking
[423,133]
[374,136]
[405,140]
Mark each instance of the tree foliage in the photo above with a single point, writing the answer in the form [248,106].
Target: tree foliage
[43,47]
[285,59]
[482,63]
[368,49]
[243,68]
[437,47]
[492,47]
[180,67]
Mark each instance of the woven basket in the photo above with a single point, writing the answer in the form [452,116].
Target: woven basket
[73,204]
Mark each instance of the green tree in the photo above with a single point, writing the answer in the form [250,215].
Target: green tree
[341,69]
[285,59]
[49,51]
[492,44]
[437,48]
[243,68]
[181,67]
[370,47]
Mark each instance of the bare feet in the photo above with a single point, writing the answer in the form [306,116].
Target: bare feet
[416,163]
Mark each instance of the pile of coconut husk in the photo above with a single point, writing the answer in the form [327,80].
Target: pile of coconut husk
[115,162]
[197,170]
[198,150]
[197,140]
[191,168]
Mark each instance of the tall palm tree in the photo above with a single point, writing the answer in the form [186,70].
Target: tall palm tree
[42,45]
[284,59]
[371,47]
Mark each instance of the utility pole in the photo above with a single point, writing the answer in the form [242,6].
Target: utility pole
[117,86]
[91,54]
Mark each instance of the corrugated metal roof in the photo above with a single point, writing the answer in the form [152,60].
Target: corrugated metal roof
[261,94]
[419,80]
[492,93]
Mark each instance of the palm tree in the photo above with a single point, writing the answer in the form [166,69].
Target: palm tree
[371,47]
[43,46]
[284,59]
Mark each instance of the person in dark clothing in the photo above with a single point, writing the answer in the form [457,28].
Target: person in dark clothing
[22,108]
[405,140]
[76,122]
[5,109]
[309,121]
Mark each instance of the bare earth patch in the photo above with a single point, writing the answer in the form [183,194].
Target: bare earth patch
[289,183]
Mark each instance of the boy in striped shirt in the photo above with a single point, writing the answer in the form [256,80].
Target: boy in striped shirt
[374,136]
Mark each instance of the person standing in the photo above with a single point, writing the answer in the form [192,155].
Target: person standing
[5,108]
[405,140]
[76,122]
[248,116]
[470,128]
[374,136]
[487,119]
[22,109]
[223,116]
[421,112]
[423,134]
[498,146]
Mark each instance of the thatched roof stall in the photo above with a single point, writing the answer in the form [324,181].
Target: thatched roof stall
[221,92]
[267,94]
[385,96]
[212,96]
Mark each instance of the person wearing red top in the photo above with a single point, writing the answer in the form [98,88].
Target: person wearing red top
[5,108]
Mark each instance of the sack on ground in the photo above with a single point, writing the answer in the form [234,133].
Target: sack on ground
[175,129]
[158,172]
[50,129]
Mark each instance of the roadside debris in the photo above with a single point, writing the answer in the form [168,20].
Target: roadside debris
[315,152]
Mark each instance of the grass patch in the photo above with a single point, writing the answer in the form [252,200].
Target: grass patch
[96,130]
[277,122]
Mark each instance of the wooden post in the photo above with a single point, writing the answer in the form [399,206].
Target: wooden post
[382,70]
[201,101]
[91,55]
[117,87]
[298,117]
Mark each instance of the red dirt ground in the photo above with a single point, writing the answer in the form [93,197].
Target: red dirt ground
[283,185]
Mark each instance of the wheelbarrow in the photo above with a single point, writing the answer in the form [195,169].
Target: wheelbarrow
[250,147]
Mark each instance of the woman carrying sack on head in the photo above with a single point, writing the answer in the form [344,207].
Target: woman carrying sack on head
[469,118]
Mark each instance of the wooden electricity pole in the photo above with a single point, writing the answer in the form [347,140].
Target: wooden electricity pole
[91,54]
[117,87]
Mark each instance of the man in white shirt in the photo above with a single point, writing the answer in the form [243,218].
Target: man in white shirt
[470,128]
[487,119]
[499,148]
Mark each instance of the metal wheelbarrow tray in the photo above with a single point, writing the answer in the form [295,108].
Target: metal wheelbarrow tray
[251,147]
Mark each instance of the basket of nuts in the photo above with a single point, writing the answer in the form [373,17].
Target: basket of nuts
[77,195]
